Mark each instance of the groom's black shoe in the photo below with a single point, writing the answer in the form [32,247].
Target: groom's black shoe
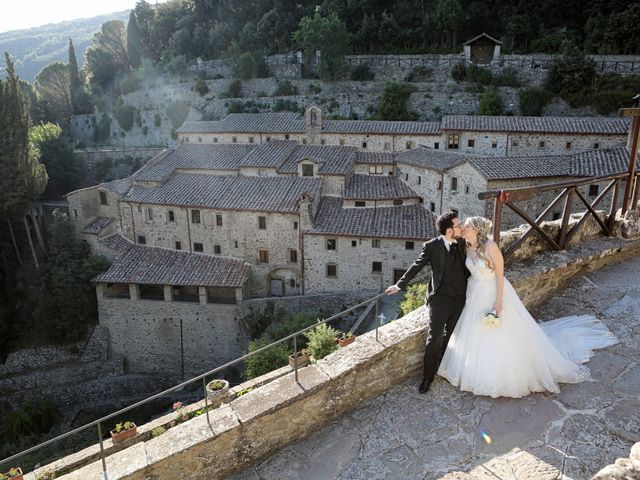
[424,386]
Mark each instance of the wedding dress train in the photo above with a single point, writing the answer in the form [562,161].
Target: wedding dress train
[519,356]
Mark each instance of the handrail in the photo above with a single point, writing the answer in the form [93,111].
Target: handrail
[98,422]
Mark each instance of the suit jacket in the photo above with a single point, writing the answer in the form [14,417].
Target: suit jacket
[433,253]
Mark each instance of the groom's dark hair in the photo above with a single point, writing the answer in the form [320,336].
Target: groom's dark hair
[445,221]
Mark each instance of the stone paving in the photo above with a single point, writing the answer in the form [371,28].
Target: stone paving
[571,435]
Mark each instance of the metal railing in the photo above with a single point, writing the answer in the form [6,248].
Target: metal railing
[568,191]
[202,377]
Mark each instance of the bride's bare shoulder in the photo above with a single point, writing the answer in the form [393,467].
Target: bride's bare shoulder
[491,245]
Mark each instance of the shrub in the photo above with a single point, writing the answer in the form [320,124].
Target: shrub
[459,72]
[235,107]
[201,87]
[285,88]
[234,90]
[245,67]
[156,432]
[571,74]
[267,361]
[31,418]
[533,100]
[145,130]
[419,73]
[362,73]
[490,103]
[314,89]
[177,112]
[393,102]
[479,75]
[414,298]
[130,84]
[322,341]
[508,78]
[157,120]
[282,105]
[125,115]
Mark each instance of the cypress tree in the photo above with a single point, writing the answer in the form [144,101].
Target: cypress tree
[134,43]
[75,84]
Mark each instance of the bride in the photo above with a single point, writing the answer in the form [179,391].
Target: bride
[511,355]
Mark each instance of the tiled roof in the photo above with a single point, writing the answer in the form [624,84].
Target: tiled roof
[334,160]
[278,122]
[98,225]
[373,187]
[402,222]
[161,266]
[196,156]
[118,186]
[228,192]
[586,125]
[116,242]
[374,157]
[269,154]
[381,127]
[429,158]
[585,164]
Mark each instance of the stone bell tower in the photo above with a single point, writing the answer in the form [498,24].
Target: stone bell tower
[313,123]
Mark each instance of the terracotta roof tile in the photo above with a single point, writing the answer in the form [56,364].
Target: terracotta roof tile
[373,187]
[429,158]
[586,125]
[98,225]
[333,160]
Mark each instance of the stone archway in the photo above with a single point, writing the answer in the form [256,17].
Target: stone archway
[283,282]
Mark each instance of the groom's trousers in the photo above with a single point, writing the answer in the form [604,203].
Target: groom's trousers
[444,313]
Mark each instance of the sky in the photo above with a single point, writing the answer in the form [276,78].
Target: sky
[21,14]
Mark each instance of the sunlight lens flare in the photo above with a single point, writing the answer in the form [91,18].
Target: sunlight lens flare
[485,436]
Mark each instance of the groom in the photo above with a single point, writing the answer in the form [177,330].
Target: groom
[446,291]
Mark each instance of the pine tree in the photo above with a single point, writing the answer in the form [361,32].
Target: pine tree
[75,84]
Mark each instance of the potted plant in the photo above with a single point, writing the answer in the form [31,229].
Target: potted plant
[217,390]
[123,431]
[14,473]
[322,341]
[299,359]
[346,338]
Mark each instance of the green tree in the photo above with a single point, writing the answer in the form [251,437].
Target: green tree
[414,298]
[448,19]
[245,67]
[571,73]
[75,83]
[134,41]
[490,102]
[68,304]
[107,55]
[533,100]
[393,102]
[54,87]
[328,34]
[56,152]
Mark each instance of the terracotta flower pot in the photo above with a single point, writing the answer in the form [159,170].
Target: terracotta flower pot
[122,435]
[15,474]
[343,342]
[300,360]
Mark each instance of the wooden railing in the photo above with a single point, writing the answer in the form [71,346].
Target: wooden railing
[568,192]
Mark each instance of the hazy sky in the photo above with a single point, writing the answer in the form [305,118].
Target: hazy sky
[20,14]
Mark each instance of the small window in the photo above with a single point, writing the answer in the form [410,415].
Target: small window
[323,141]
[454,184]
[234,139]
[596,146]
[304,141]
[292,282]
[103,198]
[293,256]
[354,243]
[195,216]
[514,144]
[171,216]
[263,256]
[199,139]
[295,225]
[178,245]
[360,203]
[307,170]
[432,206]
[215,139]
[436,145]
[376,267]
[268,139]
[342,141]
[541,144]
[453,141]
[149,214]
[250,139]
[262,223]
[408,145]
[494,144]
[593,190]
[75,213]
[471,143]
[567,145]
[198,247]
[419,180]
[406,177]
[409,245]
[375,169]
[142,240]
[286,137]
[466,189]
[217,250]
[387,146]
[397,201]
[219,220]
[331,243]
[364,144]
[375,243]
[235,244]
[332,270]
[439,185]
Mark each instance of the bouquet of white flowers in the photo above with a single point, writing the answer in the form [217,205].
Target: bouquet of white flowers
[491,319]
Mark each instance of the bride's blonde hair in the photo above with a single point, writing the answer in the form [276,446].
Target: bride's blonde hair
[483,227]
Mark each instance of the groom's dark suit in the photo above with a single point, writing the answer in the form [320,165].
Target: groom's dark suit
[445,297]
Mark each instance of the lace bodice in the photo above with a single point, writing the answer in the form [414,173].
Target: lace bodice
[478,268]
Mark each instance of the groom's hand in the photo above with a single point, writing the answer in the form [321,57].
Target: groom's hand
[392,290]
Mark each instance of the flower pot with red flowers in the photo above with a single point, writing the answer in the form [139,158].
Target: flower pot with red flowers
[14,473]
[299,359]
[346,338]
[123,431]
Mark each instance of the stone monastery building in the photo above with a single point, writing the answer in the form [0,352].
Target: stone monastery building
[280,204]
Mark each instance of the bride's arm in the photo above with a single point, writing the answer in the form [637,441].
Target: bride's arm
[494,253]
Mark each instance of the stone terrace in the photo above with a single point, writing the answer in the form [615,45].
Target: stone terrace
[571,435]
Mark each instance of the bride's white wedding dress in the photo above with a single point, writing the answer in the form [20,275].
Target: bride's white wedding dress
[519,356]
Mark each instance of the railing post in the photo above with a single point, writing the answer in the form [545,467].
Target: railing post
[295,357]
[206,398]
[104,463]
[634,202]
[497,218]
[612,211]
[566,213]
[376,317]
